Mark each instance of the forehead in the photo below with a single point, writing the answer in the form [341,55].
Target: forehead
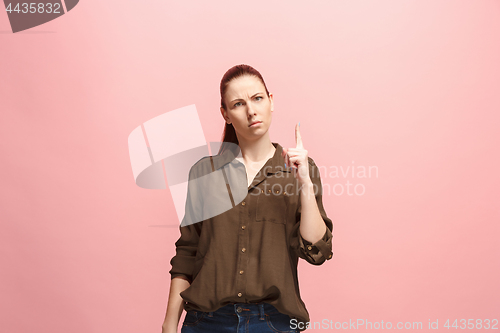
[243,86]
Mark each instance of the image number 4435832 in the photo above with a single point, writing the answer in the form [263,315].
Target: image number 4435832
[25,15]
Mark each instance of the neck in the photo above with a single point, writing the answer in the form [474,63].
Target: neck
[257,150]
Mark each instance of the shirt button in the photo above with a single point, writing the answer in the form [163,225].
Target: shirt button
[284,192]
[240,294]
[268,191]
[243,227]
[239,309]
[309,247]
[243,250]
[241,272]
[277,191]
[243,203]
[262,191]
[330,256]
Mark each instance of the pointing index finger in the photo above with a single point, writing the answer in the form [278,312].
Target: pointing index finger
[298,137]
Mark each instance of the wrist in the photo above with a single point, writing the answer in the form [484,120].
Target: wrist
[307,185]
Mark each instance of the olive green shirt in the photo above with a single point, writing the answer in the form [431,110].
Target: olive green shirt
[249,252]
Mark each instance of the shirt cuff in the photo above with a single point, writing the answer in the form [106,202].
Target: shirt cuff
[318,251]
[183,276]
[182,266]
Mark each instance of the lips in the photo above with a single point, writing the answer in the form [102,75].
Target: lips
[255,122]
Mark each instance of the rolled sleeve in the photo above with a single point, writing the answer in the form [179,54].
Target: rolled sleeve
[186,246]
[186,249]
[315,253]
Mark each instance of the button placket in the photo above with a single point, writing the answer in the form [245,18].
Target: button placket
[243,240]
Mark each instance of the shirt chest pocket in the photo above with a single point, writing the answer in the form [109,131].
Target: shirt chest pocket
[272,206]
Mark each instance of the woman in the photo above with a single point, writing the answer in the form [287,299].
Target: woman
[235,269]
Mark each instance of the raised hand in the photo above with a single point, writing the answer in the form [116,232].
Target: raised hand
[297,158]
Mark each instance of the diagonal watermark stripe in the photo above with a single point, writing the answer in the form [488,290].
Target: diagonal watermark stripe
[172,147]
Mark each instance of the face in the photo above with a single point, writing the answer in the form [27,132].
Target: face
[247,102]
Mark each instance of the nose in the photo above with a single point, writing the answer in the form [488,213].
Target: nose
[250,111]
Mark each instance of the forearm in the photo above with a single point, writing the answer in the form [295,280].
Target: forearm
[312,226]
[175,304]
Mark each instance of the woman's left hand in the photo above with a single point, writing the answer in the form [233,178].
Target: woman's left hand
[297,159]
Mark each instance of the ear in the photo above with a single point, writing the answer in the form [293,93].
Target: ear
[271,98]
[224,115]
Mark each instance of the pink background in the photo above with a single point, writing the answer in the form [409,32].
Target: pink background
[410,87]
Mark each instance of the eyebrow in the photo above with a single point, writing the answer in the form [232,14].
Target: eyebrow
[241,98]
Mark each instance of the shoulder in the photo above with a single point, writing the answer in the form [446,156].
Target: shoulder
[311,161]
[313,169]
[202,167]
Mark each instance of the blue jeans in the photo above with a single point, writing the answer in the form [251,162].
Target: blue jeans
[238,318]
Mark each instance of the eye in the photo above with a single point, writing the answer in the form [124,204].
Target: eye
[258,98]
[237,104]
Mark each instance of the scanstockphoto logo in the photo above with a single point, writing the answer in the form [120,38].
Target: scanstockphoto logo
[28,14]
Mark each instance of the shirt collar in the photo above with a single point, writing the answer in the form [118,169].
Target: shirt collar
[276,163]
